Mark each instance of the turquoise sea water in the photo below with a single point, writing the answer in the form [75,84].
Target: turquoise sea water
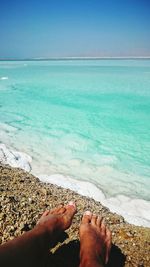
[86,119]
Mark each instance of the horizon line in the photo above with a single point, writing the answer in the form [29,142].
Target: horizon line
[74,58]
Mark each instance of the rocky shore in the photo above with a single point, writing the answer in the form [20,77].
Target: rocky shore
[23,198]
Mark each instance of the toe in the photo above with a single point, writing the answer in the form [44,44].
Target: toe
[93,220]
[108,245]
[71,208]
[108,236]
[87,216]
[45,213]
[71,204]
[98,222]
[61,211]
[103,227]
[56,210]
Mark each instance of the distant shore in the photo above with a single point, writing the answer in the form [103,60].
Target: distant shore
[24,198]
[74,58]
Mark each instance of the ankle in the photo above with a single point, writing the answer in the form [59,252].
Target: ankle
[48,231]
[87,260]
[48,226]
[41,235]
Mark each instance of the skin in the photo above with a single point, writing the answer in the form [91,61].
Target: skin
[95,241]
[32,248]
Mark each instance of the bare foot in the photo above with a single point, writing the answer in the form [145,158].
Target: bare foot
[32,248]
[95,240]
[57,220]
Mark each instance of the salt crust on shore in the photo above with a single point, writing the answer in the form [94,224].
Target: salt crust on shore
[15,158]
[134,211]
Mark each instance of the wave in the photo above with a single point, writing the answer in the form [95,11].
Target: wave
[135,211]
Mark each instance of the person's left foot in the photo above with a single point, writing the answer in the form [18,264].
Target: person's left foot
[57,220]
[95,240]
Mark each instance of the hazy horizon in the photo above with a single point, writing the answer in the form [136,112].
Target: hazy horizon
[75,58]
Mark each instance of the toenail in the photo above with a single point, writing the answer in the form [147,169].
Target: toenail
[71,203]
[87,212]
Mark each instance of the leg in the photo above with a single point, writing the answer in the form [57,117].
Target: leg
[31,248]
[95,241]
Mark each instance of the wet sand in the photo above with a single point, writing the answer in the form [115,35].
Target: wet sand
[23,198]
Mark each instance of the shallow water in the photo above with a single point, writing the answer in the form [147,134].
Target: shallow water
[86,119]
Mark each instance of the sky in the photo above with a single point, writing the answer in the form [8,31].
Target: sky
[74,28]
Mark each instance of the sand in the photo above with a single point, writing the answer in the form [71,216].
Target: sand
[23,198]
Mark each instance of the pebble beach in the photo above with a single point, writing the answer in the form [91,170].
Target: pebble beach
[24,198]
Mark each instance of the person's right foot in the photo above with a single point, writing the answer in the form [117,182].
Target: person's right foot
[60,217]
[95,241]
[32,248]
[55,221]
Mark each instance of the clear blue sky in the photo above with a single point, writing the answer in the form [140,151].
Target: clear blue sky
[58,28]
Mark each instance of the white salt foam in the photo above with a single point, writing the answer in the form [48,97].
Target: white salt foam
[83,188]
[15,158]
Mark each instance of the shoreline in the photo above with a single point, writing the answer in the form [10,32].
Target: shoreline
[133,210]
[24,198]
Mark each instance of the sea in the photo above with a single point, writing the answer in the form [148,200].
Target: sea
[82,124]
